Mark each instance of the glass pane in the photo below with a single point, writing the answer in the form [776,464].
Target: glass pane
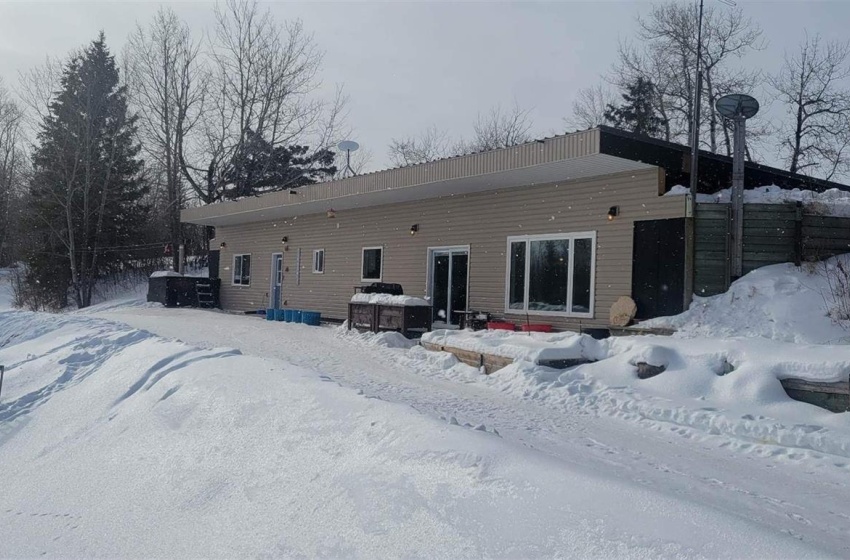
[547,289]
[372,264]
[459,274]
[581,275]
[516,299]
[246,269]
[237,270]
[440,289]
[321,261]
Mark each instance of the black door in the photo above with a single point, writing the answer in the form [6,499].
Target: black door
[450,270]
[658,267]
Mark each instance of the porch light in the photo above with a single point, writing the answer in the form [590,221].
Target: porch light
[613,212]
[223,245]
[331,213]
[413,229]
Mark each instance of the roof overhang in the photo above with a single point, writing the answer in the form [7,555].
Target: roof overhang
[566,158]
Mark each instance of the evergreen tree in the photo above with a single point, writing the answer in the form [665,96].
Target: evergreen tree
[258,168]
[86,197]
[637,113]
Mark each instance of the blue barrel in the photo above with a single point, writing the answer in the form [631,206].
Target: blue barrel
[278,314]
[287,315]
[296,315]
[269,314]
[311,318]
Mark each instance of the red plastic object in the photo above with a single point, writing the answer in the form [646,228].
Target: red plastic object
[500,325]
[536,328]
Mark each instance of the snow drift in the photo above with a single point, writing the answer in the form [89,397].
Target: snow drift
[780,302]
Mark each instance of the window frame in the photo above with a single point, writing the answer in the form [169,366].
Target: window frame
[315,268]
[380,277]
[527,239]
[233,281]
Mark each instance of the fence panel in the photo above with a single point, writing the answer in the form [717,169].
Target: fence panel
[711,249]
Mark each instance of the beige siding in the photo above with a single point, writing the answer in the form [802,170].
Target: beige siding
[570,146]
[483,221]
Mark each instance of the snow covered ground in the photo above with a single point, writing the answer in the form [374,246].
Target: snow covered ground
[129,429]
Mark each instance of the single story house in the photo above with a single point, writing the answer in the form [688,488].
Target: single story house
[552,231]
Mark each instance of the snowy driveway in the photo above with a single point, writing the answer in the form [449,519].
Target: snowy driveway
[784,489]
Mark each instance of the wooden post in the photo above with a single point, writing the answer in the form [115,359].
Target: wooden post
[690,251]
[798,234]
[182,258]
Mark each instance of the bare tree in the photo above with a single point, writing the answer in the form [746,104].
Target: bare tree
[167,84]
[11,156]
[666,52]
[264,85]
[813,87]
[589,107]
[501,128]
[429,145]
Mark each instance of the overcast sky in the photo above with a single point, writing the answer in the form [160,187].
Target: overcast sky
[406,66]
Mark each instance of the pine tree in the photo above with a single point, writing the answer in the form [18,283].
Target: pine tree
[637,113]
[86,197]
[258,168]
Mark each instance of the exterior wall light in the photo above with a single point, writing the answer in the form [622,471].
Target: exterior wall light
[331,213]
[223,245]
[284,239]
[613,212]
[413,229]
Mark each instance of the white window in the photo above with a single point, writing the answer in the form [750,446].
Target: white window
[319,261]
[242,270]
[373,263]
[551,274]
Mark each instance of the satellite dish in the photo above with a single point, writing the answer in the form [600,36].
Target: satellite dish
[737,105]
[348,146]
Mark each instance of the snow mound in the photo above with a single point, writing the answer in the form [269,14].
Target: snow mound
[780,302]
[387,299]
[832,202]
[531,347]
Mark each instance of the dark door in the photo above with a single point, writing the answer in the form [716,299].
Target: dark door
[658,267]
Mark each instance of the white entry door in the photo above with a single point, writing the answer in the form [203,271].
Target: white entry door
[276,288]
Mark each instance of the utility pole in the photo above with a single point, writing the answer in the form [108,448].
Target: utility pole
[690,220]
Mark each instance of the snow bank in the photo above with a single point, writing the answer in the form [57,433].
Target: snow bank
[165,274]
[780,302]
[387,299]
[717,387]
[832,202]
[532,347]
[124,444]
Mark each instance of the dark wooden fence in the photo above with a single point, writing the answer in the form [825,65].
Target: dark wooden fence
[773,233]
